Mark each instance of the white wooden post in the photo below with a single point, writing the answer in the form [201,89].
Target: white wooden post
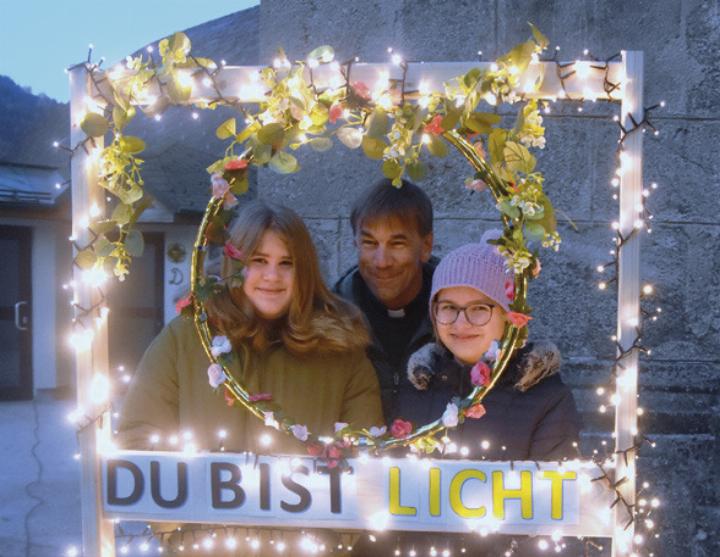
[91,362]
[628,311]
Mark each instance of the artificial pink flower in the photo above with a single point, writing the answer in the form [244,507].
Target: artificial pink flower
[361,90]
[518,319]
[230,201]
[435,125]
[400,428]
[536,269]
[336,111]
[510,289]
[480,374]
[232,252]
[182,303]
[480,150]
[475,412]
[221,190]
[229,398]
[333,463]
[476,185]
[236,164]
[260,397]
[220,186]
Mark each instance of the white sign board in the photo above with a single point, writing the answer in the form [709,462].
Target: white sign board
[374,494]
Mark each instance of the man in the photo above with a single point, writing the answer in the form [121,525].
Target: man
[393,230]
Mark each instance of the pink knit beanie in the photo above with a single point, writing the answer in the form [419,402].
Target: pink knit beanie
[479,266]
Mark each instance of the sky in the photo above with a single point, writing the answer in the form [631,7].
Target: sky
[39,38]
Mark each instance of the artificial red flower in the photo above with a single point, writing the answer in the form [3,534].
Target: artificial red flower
[229,398]
[315,449]
[400,428]
[260,397]
[232,252]
[510,289]
[518,319]
[182,303]
[435,125]
[336,111]
[480,374]
[236,164]
[332,463]
[361,90]
[334,452]
[476,411]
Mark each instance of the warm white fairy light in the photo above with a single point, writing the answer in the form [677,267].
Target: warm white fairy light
[266,440]
[95,277]
[582,69]
[543,544]
[99,390]
[82,340]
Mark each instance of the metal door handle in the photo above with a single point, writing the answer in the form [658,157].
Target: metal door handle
[18,323]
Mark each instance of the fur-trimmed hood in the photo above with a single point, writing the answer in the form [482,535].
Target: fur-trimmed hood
[530,365]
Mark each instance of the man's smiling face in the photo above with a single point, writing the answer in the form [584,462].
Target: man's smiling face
[391,254]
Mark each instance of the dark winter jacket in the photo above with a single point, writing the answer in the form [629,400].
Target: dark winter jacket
[385,346]
[530,413]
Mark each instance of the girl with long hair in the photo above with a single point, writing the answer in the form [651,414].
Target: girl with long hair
[296,344]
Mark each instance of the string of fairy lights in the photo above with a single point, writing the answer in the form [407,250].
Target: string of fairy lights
[206,538]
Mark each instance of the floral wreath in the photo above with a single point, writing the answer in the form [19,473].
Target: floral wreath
[390,123]
[295,113]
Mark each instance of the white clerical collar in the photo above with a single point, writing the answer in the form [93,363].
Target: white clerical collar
[396,313]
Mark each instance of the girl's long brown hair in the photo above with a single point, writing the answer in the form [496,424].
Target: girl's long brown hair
[317,320]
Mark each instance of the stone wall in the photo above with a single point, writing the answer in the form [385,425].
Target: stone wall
[681,40]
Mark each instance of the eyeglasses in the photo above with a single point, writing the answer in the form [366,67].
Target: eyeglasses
[475,314]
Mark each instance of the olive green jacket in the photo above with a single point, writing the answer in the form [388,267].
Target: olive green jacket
[170,396]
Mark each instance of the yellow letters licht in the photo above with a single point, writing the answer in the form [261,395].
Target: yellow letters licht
[395,507]
[556,490]
[456,487]
[434,491]
[501,494]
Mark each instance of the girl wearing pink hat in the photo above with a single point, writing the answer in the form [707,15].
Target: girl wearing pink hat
[530,414]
